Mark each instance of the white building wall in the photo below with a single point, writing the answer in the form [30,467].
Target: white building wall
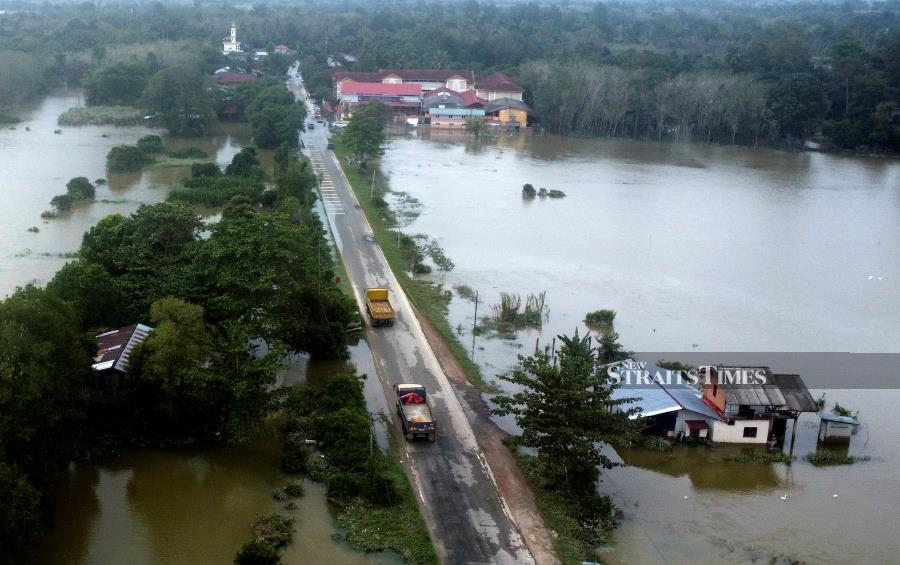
[723,433]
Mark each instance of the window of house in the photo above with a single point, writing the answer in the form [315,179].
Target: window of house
[750,432]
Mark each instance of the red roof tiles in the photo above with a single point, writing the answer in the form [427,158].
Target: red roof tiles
[380,88]
[498,82]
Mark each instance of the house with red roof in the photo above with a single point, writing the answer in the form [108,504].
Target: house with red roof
[282,49]
[230,77]
[428,79]
[497,85]
[403,98]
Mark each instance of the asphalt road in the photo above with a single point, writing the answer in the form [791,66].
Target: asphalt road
[467,519]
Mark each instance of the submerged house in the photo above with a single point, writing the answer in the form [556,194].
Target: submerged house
[670,409]
[722,410]
[113,352]
[754,413]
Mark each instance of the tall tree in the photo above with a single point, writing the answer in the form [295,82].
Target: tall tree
[565,411]
[365,135]
[180,98]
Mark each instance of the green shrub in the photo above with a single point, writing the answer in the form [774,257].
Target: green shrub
[294,490]
[823,457]
[601,318]
[62,202]
[125,159]
[80,188]
[205,170]
[657,443]
[257,553]
[528,191]
[379,489]
[295,456]
[150,144]
[342,486]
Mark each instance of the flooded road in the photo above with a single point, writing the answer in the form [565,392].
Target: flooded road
[698,248]
[36,164]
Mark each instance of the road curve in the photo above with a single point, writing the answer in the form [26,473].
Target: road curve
[466,516]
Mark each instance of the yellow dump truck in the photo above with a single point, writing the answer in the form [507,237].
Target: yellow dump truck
[378,307]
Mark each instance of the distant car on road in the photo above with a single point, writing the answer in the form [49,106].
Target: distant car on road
[311,126]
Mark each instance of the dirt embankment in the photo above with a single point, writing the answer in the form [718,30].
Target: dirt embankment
[510,480]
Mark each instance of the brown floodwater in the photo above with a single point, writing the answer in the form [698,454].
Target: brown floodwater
[151,506]
[698,248]
[36,164]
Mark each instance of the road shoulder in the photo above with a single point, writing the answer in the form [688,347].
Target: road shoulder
[514,487]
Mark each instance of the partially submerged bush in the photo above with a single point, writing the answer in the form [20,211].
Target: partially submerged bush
[465,292]
[823,457]
[80,188]
[294,490]
[769,456]
[126,159]
[528,191]
[601,319]
[509,316]
[62,202]
[257,553]
[556,194]
[657,443]
[274,530]
[150,144]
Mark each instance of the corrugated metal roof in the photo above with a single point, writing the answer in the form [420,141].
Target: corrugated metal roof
[767,394]
[795,393]
[652,400]
[839,419]
[114,347]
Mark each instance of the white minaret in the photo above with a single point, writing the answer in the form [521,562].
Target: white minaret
[231,43]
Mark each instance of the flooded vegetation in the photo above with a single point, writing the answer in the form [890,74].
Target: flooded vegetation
[695,248]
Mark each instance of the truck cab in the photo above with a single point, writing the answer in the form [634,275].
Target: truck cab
[414,411]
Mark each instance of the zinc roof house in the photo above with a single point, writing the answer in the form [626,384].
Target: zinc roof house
[668,407]
[722,410]
[114,347]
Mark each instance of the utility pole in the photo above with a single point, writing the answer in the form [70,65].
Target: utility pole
[474,324]
[372,190]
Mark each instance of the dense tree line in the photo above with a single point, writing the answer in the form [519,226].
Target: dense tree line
[820,68]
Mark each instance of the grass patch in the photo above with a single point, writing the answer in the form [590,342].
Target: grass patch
[508,316]
[430,299]
[101,116]
[823,457]
[8,119]
[760,457]
[574,542]
[397,528]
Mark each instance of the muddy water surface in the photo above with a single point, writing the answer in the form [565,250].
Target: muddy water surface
[698,248]
[36,164]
